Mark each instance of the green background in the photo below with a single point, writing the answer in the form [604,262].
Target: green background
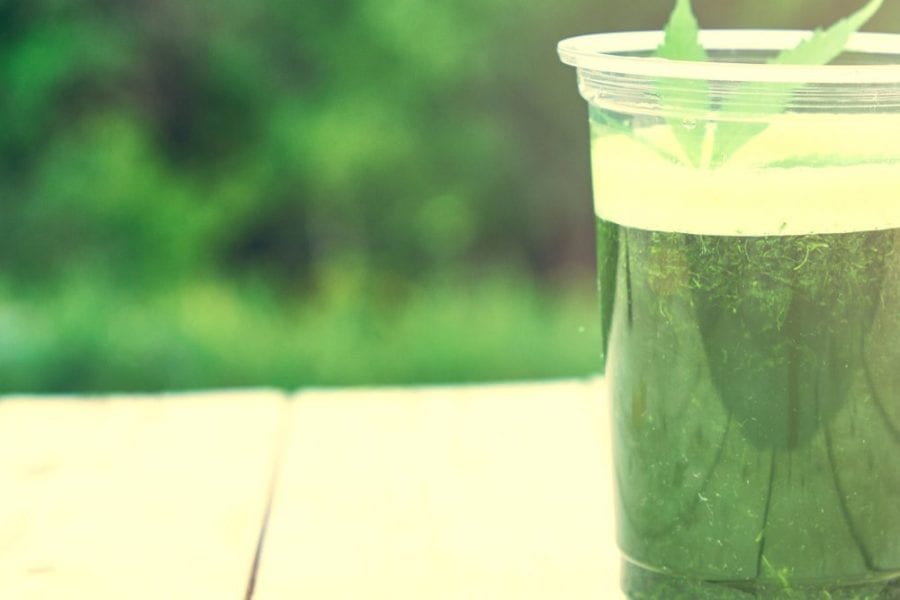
[294,193]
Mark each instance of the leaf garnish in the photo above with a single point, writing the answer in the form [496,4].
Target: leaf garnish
[824,46]
[682,42]
[610,123]
[757,99]
[773,98]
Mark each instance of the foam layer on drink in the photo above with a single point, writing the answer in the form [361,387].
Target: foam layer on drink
[799,176]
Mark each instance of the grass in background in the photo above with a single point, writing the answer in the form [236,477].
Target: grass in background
[212,334]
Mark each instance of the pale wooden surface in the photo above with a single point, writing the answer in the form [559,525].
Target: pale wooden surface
[497,492]
[133,499]
[464,493]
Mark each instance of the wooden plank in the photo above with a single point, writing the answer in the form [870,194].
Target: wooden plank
[138,498]
[475,493]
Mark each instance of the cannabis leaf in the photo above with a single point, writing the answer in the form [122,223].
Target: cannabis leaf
[825,46]
[681,40]
[682,43]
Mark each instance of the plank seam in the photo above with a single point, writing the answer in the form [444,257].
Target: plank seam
[278,453]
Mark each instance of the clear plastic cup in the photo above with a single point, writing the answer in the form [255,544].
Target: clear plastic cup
[748,232]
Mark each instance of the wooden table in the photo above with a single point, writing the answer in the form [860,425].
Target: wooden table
[448,493]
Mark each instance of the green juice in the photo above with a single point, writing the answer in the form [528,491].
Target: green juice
[752,323]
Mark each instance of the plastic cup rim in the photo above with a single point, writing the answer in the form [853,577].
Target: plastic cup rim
[603,52]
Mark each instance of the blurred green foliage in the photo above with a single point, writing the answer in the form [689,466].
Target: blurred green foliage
[198,194]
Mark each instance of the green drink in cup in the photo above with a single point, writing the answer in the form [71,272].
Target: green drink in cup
[748,230]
